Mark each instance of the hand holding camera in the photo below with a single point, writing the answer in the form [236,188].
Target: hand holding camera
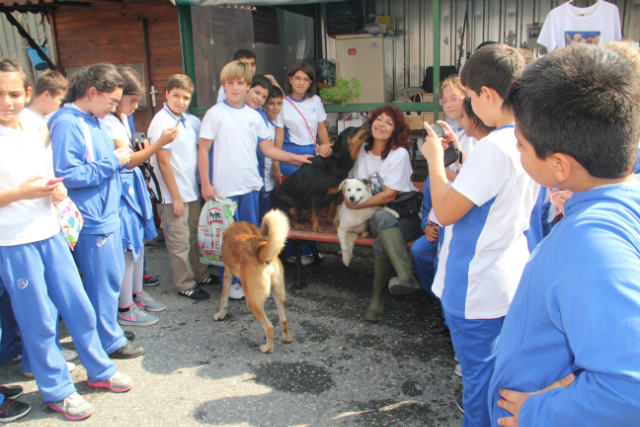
[441,143]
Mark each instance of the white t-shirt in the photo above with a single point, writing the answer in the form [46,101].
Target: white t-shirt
[296,130]
[222,95]
[118,129]
[23,155]
[568,24]
[395,170]
[184,153]
[484,253]
[235,133]
[269,183]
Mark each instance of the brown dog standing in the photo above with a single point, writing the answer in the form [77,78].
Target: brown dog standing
[252,256]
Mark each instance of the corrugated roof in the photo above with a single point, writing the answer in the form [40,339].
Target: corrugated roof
[35,2]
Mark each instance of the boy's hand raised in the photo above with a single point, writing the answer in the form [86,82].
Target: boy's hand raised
[432,149]
[513,400]
[168,136]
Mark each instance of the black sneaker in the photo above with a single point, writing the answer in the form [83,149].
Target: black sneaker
[128,351]
[211,280]
[459,403]
[195,293]
[150,281]
[11,410]
[11,392]
[130,336]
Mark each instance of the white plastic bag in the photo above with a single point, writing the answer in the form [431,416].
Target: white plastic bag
[70,220]
[215,217]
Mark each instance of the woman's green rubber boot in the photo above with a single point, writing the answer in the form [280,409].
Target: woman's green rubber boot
[375,312]
[394,245]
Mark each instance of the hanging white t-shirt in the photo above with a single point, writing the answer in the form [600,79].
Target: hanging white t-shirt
[235,133]
[395,170]
[484,253]
[23,155]
[295,128]
[184,153]
[567,24]
[222,95]
[118,129]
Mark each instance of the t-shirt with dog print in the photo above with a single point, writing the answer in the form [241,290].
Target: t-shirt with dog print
[395,170]
[233,163]
[567,24]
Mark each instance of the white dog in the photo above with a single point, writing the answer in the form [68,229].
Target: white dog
[353,223]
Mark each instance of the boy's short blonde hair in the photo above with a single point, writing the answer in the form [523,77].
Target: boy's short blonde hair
[454,83]
[235,70]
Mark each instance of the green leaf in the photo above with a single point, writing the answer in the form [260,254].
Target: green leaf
[343,91]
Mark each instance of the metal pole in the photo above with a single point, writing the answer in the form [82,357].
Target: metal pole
[436,59]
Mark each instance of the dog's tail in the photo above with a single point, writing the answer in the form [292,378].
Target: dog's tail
[274,228]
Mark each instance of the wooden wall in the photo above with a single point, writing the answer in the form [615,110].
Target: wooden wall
[114,32]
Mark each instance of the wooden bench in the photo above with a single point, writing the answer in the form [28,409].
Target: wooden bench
[329,234]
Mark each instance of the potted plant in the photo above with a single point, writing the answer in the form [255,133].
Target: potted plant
[343,91]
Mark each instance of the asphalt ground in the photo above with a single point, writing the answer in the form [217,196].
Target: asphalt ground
[339,371]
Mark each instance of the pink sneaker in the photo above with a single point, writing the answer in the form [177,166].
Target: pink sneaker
[118,383]
[73,407]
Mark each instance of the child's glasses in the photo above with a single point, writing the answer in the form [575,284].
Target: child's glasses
[453,100]
[304,79]
[111,102]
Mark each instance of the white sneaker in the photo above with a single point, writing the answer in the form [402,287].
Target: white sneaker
[73,407]
[68,355]
[236,291]
[458,370]
[70,367]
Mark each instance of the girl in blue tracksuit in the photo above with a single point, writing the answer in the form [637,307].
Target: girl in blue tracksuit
[136,213]
[36,267]
[85,156]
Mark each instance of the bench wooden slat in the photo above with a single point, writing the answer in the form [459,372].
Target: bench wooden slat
[329,234]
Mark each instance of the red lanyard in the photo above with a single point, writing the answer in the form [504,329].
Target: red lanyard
[305,122]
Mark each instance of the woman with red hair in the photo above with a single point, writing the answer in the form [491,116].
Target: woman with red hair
[384,160]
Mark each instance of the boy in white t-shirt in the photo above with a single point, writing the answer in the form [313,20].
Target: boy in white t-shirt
[248,57]
[230,132]
[47,96]
[270,112]
[180,211]
[484,252]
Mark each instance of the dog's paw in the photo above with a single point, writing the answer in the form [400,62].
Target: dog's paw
[298,227]
[318,229]
[346,259]
[365,234]
[324,220]
[287,339]
[266,349]
[219,316]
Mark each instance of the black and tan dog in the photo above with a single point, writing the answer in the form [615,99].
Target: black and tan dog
[315,186]
[251,255]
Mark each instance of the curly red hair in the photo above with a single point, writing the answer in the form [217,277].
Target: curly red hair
[399,136]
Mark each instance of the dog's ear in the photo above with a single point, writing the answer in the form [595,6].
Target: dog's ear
[342,185]
[368,184]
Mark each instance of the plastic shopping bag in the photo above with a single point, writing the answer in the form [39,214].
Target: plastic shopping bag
[215,217]
[70,220]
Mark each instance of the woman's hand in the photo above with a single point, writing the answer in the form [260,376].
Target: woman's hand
[59,194]
[123,154]
[168,136]
[325,150]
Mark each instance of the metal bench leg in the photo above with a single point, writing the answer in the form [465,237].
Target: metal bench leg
[298,283]
[314,249]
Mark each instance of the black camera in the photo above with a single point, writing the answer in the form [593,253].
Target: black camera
[138,141]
